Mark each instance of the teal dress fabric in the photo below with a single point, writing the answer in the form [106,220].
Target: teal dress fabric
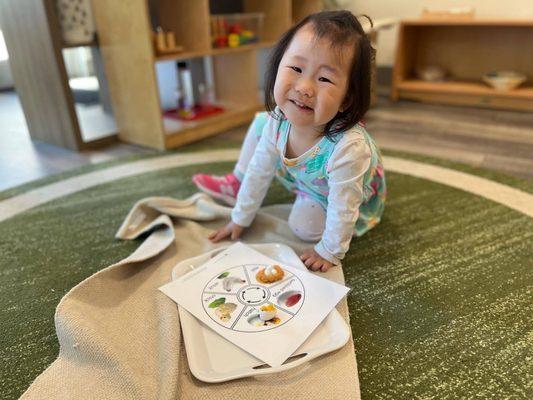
[309,177]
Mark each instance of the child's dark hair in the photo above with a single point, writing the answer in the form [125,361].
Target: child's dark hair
[342,28]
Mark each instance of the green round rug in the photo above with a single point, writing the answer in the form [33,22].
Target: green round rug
[441,299]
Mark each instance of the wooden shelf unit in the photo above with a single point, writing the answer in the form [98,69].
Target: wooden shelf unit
[130,62]
[33,37]
[466,49]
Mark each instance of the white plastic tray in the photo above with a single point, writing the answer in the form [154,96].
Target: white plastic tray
[214,359]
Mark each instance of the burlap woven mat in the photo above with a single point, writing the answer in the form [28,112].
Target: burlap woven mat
[120,337]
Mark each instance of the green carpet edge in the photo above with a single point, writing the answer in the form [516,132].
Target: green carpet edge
[495,176]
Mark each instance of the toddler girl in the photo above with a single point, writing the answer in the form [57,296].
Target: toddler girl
[312,139]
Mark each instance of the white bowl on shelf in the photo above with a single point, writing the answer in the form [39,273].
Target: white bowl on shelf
[431,73]
[504,80]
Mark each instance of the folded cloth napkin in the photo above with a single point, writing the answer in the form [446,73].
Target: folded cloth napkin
[120,337]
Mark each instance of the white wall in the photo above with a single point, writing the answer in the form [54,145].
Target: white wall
[377,9]
[6,80]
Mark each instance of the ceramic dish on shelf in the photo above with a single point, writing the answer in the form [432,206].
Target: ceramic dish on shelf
[504,80]
[214,359]
[431,73]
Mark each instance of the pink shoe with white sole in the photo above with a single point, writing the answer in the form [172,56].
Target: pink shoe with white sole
[224,187]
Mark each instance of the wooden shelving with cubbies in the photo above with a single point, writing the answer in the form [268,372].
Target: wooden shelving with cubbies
[125,39]
[41,76]
[466,49]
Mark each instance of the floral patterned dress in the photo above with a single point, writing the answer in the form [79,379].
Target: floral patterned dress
[310,178]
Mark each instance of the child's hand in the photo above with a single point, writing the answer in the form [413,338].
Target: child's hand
[314,261]
[231,229]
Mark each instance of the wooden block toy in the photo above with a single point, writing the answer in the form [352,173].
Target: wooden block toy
[165,42]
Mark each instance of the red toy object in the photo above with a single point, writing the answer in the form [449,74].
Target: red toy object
[199,111]
[235,28]
[221,41]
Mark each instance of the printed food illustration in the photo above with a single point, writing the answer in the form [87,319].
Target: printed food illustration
[253,297]
[230,281]
[290,299]
[270,274]
[267,312]
[217,302]
[266,316]
[224,311]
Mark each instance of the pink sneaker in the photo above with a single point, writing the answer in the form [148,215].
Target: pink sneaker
[224,188]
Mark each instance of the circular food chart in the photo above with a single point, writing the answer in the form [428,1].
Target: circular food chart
[253,297]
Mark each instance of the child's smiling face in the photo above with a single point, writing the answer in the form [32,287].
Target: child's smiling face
[312,80]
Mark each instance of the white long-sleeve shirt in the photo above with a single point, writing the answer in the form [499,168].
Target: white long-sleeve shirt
[346,166]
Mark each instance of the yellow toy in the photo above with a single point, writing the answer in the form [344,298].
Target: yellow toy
[233,40]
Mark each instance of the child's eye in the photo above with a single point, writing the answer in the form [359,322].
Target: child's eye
[296,69]
[322,79]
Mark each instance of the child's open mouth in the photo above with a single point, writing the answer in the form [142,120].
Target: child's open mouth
[301,106]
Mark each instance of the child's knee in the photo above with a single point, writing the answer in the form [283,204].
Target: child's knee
[306,230]
[307,219]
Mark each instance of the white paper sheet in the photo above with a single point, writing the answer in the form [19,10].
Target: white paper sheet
[225,295]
